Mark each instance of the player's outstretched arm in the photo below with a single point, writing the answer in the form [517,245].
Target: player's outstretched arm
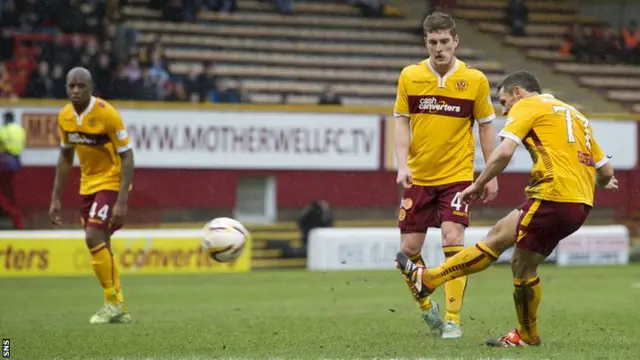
[65,163]
[497,162]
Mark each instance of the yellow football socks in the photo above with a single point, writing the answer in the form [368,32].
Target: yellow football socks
[454,289]
[423,303]
[469,261]
[527,296]
[106,272]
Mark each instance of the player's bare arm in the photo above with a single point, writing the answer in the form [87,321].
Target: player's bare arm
[605,178]
[126,178]
[65,163]
[402,143]
[497,162]
[487,137]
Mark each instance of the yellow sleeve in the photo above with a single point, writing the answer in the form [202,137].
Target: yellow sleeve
[599,157]
[519,123]
[117,132]
[64,136]
[402,99]
[483,110]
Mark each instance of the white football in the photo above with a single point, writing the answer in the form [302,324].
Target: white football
[224,239]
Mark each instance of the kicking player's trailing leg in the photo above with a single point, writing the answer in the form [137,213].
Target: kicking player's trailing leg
[542,226]
[526,297]
[411,246]
[452,244]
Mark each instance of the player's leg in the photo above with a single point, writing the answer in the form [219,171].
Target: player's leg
[416,214]
[542,226]
[470,260]
[96,215]
[455,218]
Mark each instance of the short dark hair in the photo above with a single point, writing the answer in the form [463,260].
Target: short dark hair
[521,78]
[439,21]
[8,117]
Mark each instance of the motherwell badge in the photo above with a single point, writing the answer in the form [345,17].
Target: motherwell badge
[402,214]
[461,85]
[407,203]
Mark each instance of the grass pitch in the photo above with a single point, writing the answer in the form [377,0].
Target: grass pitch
[586,313]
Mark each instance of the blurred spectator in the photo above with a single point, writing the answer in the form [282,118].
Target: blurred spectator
[175,92]
[12,143]
[369,8]
[317,214]
[224,6]
[284,6]
[6,89]
[232,92]
[40,83]
[102,77]
[329,97]
[517,17]
[609,46]
[145,88]
[631,42]
[59,82]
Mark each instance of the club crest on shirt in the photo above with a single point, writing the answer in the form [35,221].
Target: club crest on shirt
[462,85]
[91,122]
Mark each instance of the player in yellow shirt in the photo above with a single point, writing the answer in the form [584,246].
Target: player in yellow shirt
[437,103]
[93,129]
[567,165]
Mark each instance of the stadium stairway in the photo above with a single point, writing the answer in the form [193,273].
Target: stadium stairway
[291,59]
[617,87]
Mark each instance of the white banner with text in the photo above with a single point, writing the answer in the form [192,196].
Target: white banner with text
[376,248]
[227,139]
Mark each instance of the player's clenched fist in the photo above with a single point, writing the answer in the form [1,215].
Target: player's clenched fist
[490,191]
[612,185]
[404,178]
[54,212]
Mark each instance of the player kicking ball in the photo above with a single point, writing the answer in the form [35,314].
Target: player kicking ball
[437,102]
[566,160]
[93,129]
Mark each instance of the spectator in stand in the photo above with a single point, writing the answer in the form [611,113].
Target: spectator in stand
[284,6]
[40,84]
[6,89]
[145,89]
[609,46]
[232,92]
[631,42]
[517,17]
[59,82]
[8,25]
[329,97]
[175,91]
[224,6]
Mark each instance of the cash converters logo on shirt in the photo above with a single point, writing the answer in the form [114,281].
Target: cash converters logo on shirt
[433,105]
[440,105]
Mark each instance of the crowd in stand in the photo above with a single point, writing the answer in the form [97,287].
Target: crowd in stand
[603,44]
[124,70]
